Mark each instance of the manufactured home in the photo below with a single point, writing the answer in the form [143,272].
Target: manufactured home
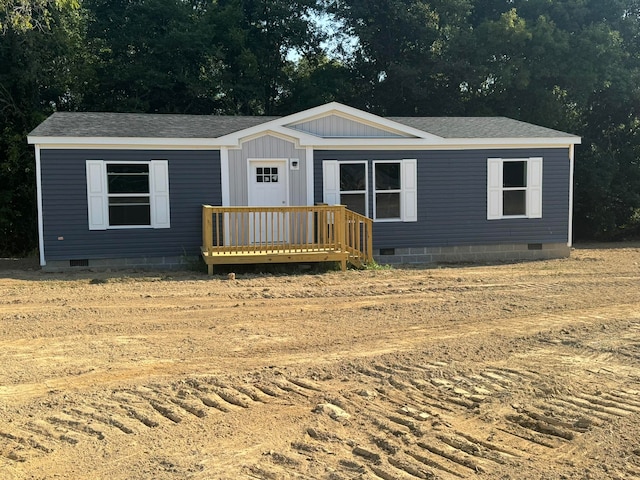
[332,183]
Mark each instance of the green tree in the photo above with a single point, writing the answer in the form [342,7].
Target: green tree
[35,53]
[410,53]
[314,81]
[150,56]
[25,15]
[259,41]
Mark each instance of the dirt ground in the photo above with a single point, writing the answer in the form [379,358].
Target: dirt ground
[519,371]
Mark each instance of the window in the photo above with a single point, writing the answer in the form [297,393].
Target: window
[353,186]
[394,188]
[514,188]
[267,174]
[387,190]
[127,194]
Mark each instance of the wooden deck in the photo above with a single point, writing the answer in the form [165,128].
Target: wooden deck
[322,233]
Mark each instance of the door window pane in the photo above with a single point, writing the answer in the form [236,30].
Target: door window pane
[267,174]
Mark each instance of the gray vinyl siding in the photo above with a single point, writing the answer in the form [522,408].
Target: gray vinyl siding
[452,199]
[194,179]
[336,126]
[269,147]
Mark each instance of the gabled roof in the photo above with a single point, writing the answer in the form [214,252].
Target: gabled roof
[84,128]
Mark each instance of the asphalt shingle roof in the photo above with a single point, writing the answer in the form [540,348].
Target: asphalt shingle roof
[478,127]
[132,125]
[142,125]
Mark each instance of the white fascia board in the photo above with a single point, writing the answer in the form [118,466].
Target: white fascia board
[560,141]
[300,139]
[275,126]
[444,144]
[123,142]
[122,146]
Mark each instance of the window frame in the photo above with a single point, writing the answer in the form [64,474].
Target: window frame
[98,195]
[128,195]
[496,188]
[408,183]
[356,192]
[376,191]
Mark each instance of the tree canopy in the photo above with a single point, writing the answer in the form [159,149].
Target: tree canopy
[572,65]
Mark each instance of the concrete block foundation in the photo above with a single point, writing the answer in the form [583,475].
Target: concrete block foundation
[472,253]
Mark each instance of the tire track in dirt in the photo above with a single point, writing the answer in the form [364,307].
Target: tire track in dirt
[417,414]
[400,376]
[404,430]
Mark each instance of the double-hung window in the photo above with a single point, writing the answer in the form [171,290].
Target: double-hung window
[514,188]
[345,183]
[392,193]
[127,194]
[353,186]
[387,195]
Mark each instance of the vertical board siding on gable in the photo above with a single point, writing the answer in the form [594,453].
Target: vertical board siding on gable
[194,179]
[452,199]
[336,126]
[270,147]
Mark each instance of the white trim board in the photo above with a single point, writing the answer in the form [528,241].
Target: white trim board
[43,262]
[324,144]
[309,165]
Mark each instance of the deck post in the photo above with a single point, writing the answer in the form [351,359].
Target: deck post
[369,240]
[339,226]
[207,228]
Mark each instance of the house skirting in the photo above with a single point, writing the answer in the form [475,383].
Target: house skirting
[390,256]
[143,263]
[471,253]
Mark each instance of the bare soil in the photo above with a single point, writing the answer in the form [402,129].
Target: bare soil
[528,370]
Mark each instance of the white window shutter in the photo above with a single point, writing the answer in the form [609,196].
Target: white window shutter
[331,182]
[409,184]
[97,200]
[494,188]
[534,187]
[159,189]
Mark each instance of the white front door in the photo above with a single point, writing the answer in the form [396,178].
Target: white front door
[268,187]
[268,183]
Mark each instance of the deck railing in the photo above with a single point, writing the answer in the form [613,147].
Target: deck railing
[358,238]
[252,231]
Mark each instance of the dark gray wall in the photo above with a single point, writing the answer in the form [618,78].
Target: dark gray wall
[194,179]
[452,199]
